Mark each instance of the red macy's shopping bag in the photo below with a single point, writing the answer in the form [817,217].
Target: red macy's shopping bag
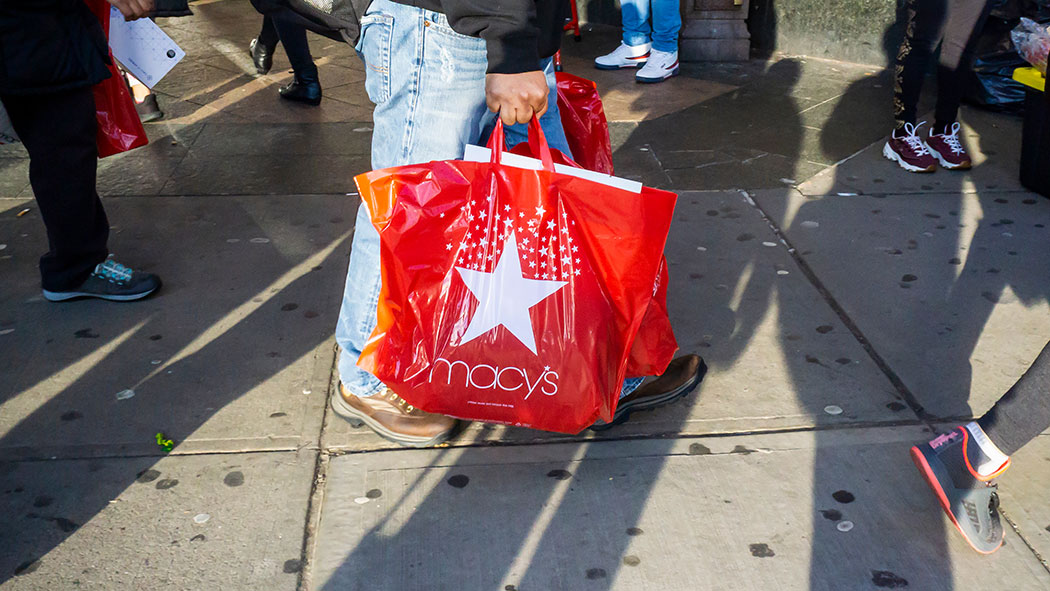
[511,295]
[655,337]
[583,118]
[119,126]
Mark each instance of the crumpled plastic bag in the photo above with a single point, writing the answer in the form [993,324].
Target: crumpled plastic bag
[1032,41]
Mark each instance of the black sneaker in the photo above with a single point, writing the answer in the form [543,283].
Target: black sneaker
[970,499]
[682,377]
[110,281]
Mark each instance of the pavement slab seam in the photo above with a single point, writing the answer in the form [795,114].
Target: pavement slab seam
[314,505]
[1024,538]
[333,452]
[902,389]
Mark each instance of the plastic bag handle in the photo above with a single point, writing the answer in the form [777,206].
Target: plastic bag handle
[538,142]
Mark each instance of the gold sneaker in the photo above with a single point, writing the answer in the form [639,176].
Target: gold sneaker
[393,418]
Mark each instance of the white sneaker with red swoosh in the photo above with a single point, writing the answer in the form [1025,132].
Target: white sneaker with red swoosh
[624,56]
[660,66]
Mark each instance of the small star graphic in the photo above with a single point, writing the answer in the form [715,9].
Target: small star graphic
[448,246]
[551,225]
[577,273]
[540,211]
[506,208]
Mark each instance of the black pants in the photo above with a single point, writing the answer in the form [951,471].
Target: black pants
[955,25]
[1024,411]
[58,130]
[293,37]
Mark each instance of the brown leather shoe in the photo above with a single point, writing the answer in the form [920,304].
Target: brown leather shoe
[393,418]
[683,375]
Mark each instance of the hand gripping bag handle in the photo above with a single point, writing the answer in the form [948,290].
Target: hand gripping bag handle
[537,141]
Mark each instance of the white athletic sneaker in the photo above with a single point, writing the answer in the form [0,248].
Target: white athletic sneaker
[624,56]
[660,66]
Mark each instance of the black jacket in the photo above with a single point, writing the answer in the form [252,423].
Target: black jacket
[49,46]
[517,33]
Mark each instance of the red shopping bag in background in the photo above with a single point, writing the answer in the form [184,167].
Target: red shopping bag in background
[583,118]
[655,345]
[119,126]
[511,295]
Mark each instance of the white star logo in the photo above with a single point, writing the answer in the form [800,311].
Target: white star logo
[504,298]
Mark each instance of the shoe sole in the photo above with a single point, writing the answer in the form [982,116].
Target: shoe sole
[312,103]
[931,480]
[62,296]
[623,413]
[356,418]
[888,152]
[656,80]
[624,67]
[948,165]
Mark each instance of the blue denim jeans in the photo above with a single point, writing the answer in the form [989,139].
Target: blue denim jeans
[666,22]
[428,86]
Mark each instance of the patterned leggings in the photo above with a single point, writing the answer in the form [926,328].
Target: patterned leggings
[955,26]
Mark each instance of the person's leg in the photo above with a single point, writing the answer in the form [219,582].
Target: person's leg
[1024,411]
[262,47]
[667,21]
[923,30]
[965,20]
[634,15]
[305,86]
[637,38]
[58,130]
[268,36]
[962,466]
[422,113]
[296,46]
[923,27]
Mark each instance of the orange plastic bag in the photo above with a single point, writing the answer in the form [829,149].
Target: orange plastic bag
[512,295]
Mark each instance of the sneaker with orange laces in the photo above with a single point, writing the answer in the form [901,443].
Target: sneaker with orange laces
[948,148]
[906,148]
[962,476]
[393,418]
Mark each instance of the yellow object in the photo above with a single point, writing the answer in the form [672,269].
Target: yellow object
[1030,77]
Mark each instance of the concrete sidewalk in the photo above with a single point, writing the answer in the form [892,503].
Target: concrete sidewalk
[846,309]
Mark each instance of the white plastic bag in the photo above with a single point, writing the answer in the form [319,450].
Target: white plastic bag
[1032,41]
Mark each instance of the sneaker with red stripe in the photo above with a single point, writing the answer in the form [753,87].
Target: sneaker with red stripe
[661,66]
[624,56]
